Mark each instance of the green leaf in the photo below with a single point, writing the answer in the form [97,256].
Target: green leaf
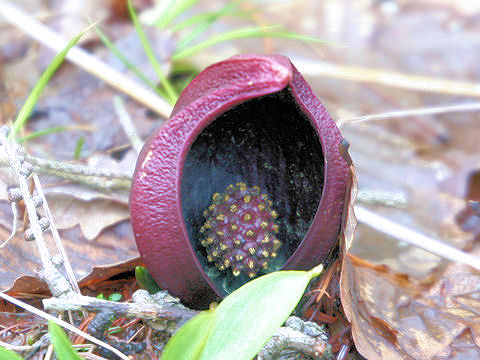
[188,342]
[244,320]
[115,297]
[171,94]
[145,280]
[61,344]
[37,90]
[6,354]
[248,317]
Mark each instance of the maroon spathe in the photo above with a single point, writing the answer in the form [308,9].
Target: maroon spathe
[155,200]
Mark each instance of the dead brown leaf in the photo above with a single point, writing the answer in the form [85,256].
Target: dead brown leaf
[112,252]
[92,216]
[394,316]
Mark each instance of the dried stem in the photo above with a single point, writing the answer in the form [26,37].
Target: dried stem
[127,124]
[14,225]
[382,198]
[437,110]
[387,78]
[412,237]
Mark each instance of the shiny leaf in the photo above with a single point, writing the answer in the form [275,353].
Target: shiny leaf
[61,344]
[188,342]
[248,317]
[6,354]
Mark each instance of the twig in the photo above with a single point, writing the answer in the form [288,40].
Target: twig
[97,183]
[414,238]
[16,348]
[91,356]
[387,78]
[148,311]
[57,284]
[127,124]
[382,198]
[99,179]
[62,323]
[436,110]
[56,237]
[77,169]
[297,337]
[83,59]
[49,353]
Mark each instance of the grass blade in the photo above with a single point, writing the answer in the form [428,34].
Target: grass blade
[205,21]
[229,9]
[78,148]
[170,91]
[231,35]
[264,31]
[37,90]
[106,41]
[173,9]
[39,133]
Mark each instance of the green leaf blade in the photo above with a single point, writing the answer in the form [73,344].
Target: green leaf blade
[61,344]
[188,342]
[6,354]
[248,317]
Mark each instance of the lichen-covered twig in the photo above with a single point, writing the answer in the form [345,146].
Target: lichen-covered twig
[56,282]
[77,169]
[158,310]
[66,263]
[296,337]
[62,323]
[99,179]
